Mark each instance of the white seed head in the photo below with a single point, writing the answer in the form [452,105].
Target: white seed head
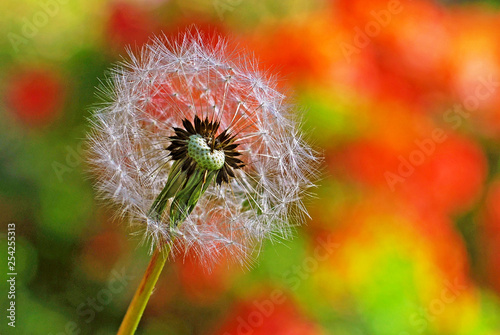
[154,92]
[207,159]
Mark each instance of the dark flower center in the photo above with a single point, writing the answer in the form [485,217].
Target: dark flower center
[197,146]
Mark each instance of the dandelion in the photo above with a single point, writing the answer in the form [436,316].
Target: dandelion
[199,152]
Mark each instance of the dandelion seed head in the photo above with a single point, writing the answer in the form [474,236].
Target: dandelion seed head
[204,108]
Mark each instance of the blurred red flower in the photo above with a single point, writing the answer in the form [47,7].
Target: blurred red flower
[271,314]
[34,95]
[447,177]
[130,24]
[300,51]
[451,179]
[199,285]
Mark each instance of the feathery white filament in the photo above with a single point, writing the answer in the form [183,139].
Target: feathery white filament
[168,82]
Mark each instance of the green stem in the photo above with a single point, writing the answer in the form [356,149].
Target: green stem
[143,292]
[185,199]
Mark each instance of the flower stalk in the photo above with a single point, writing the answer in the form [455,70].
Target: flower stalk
[143,292]
[186,191]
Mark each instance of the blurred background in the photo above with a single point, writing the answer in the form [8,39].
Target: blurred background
[403,99]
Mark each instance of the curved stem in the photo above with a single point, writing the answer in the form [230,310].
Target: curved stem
[143,292]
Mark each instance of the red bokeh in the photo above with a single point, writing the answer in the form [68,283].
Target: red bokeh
[200,284]
[129,25]
[271,314]
[34,95]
